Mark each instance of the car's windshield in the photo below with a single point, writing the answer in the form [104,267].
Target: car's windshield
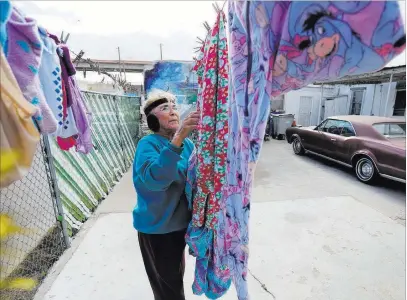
[391,130]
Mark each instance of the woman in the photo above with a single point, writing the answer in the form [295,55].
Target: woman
[161,215]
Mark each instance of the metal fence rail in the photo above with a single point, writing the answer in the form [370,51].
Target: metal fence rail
[63,188]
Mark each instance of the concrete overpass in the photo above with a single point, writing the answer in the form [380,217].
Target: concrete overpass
[130,66]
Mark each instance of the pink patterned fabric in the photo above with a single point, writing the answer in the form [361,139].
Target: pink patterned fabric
[278,46]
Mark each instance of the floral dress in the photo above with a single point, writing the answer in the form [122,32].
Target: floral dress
[208,163]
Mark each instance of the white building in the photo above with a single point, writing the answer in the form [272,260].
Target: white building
[381,93]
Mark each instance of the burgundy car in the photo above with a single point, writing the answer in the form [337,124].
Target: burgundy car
[372,146]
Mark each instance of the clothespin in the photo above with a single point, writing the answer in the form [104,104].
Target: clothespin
[223,6]
[67,38]
[200,41]
[216,7]
[64,40]
[207,27]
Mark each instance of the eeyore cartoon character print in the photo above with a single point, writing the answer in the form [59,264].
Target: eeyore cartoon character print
[278,46]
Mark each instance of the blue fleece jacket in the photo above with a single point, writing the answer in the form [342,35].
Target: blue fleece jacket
[159,177]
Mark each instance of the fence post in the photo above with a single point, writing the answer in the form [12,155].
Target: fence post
[116,101]
[54,182]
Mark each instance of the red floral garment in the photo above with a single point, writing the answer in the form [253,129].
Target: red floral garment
[213,129]
[206,174]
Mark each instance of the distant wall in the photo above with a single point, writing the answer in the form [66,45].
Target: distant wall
[292,102]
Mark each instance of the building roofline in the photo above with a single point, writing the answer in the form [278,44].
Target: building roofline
[381,76]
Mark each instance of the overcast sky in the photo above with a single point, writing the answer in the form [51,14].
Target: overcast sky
[137,27]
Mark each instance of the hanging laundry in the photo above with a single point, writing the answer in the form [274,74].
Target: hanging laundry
[24,50]
[212,276]
[18,134]
[66,143]
[68,68]
[278,46]
[69,132]
[83,117]
[5,13]
[75,104]
[50,78]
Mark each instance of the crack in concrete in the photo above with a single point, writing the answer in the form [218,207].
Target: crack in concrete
[263,286]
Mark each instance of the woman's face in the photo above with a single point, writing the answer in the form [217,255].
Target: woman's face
[168,116]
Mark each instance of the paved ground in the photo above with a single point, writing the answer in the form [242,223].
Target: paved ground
[281,175]
[316,233]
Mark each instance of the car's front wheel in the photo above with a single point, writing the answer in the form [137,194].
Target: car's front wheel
[297,146]
[365,170]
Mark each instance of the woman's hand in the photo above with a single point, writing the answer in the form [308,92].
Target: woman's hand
[190,123]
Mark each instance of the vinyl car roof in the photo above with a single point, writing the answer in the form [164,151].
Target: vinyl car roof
[368,120]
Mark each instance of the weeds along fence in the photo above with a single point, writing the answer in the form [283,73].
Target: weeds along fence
[63,188]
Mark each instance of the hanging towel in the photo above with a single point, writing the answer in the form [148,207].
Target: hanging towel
[18,135]
[279,46]
[50,78]
[69,128]
[24,56]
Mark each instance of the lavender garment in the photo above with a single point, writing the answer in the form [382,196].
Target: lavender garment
[24,56]
[70,68]
[276,47]
[82,118]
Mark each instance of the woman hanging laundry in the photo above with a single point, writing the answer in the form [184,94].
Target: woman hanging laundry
[161,215]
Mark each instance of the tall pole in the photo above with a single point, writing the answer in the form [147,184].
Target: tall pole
[388,95]
[56,193]
[120,63]
[161,51]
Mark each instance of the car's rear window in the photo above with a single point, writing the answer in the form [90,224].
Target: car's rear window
[391,130]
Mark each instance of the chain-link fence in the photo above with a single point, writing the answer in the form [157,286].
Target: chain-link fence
[63,189]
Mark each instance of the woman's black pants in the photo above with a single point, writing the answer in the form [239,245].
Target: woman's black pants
[164,260]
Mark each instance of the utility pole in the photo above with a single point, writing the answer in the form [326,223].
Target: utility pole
[120,64]
[161,51]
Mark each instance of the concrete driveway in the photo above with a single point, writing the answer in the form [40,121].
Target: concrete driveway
[282,175]
[316,233]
